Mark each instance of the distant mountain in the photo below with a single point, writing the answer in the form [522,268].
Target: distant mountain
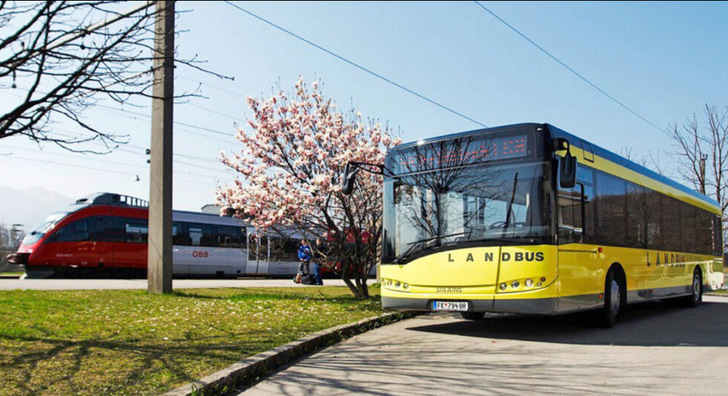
[29,206]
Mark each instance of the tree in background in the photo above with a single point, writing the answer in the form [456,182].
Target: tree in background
[702,152]
[61,57]
[291,162]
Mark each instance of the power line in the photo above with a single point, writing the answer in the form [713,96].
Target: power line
[35,160]
[352,63]
[109,108]
[572,70]
[138,166]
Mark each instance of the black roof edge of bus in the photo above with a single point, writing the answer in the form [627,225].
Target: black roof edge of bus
[531,126]
[556,132]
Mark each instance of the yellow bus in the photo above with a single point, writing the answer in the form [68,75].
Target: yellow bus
[530,219]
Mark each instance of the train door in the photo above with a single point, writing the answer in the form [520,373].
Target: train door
[258,254]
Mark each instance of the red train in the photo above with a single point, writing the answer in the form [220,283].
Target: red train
[107,233]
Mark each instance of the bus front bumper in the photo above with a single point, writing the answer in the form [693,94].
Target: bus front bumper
[540,306]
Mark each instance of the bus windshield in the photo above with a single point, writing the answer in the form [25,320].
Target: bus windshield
[481,204]
[40,229]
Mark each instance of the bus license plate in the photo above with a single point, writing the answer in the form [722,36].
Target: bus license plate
[449,305]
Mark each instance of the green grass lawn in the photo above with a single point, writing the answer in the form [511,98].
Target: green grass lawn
[129,342]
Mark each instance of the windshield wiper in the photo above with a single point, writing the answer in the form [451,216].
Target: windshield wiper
[412,249]
[509,212]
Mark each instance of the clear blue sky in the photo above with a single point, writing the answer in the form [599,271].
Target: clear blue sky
[665,61]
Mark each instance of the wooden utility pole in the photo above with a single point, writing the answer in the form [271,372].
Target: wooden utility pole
[159,267]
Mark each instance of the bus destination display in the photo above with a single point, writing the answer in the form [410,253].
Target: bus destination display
[456,152]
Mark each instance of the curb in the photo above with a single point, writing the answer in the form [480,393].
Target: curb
[248,370]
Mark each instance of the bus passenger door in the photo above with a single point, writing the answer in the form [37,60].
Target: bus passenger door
[579,265]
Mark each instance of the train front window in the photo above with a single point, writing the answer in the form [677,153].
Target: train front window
[483,204]
[43,227]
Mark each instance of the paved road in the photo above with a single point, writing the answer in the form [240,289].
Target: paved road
[108,284]
[656,349]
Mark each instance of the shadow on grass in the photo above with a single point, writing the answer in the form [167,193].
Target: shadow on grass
[74,358]
[266,295]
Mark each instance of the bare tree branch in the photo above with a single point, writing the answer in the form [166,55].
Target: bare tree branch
[65,56]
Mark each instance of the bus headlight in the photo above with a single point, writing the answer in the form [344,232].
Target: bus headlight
[515,284]
[528,282]
[503,286]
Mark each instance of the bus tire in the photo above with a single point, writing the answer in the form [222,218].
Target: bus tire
[613,304]
[473,315]
[696,290]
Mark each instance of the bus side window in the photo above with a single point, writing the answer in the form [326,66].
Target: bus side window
[638,216]
[704,234]
[688,215]
[570,209]
[653,204]
[671,224]
[717,228]
[611,209]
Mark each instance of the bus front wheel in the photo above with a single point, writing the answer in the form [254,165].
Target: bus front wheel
[613,303]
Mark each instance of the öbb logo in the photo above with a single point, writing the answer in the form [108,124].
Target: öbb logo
[200,253]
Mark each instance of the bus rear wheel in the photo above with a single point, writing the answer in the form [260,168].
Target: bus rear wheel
[613,303]
[696,292]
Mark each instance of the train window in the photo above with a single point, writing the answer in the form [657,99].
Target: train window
[179,236]
[201,234]
[98,228]
[229,236]
[137,230]
[76,231]
[116,231]
[283,249]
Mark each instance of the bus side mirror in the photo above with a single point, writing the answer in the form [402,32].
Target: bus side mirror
[567,171]
[347,182]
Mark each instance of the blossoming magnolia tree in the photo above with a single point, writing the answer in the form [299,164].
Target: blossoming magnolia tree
[291,163]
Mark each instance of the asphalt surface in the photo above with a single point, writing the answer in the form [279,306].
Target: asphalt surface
[118,284]
[656,349]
